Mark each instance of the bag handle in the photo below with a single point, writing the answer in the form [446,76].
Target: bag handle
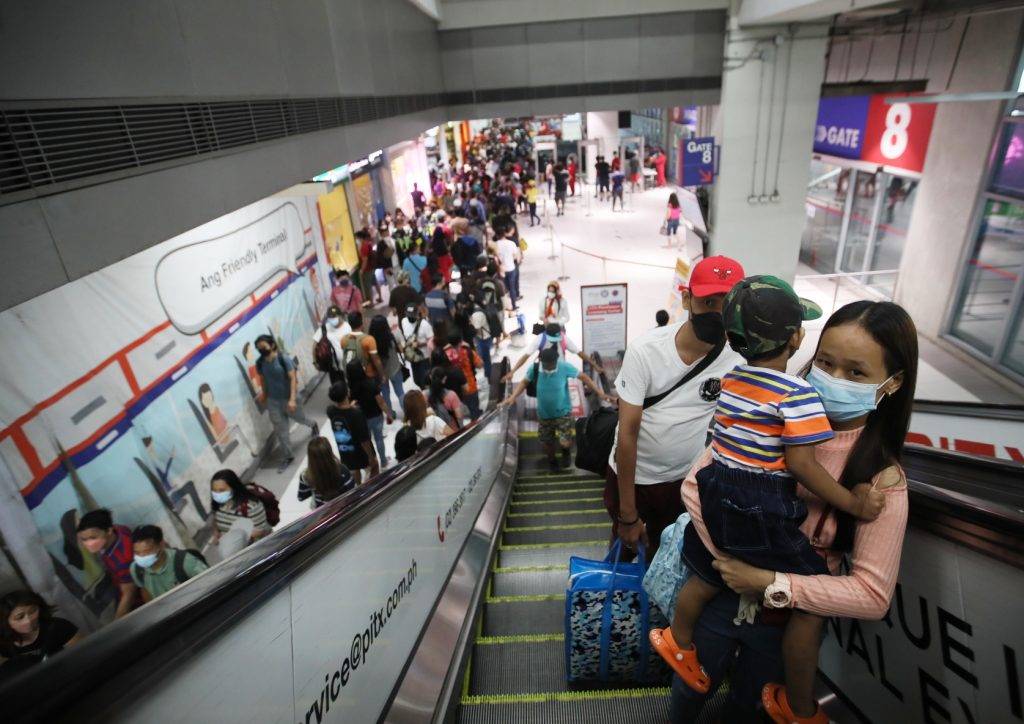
[701,366]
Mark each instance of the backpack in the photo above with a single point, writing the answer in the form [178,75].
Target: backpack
[178,561]
[531,384]
[382,255]
[324,357]
[351,347]
[410,347]
[280,360]
[269,500]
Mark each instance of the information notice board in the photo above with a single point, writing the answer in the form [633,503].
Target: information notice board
[604,322]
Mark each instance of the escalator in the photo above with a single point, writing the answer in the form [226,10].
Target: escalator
[436,593]
[516,667]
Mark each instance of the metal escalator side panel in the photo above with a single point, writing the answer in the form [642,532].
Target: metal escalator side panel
[974,428]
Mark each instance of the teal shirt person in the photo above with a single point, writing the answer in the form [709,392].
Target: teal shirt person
[413,265]
[159,579]
[553,389]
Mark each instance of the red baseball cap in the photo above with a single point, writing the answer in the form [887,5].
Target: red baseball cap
[715,275]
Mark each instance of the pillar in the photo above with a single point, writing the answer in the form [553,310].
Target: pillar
[770,86]
[604,126]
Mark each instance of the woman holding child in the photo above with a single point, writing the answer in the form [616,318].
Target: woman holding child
[864,372]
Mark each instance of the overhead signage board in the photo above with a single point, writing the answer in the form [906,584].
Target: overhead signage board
[698,159]
[866,128]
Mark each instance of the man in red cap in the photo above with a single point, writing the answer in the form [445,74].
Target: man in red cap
[668,387]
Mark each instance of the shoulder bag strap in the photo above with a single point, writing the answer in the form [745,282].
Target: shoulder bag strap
[701,366]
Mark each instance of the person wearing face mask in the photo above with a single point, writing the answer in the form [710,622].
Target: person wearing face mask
[554,406]
[280,391]
[865,371]
[767,425]
[336,327]
[157,569]
[553,336]
[414,335]
[553,307]
[112,544]
[668,385]
[30,633]
[233,501]
[346,295]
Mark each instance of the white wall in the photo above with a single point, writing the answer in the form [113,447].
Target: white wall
[765,236]
[75,53]
[941,224]
[603,125]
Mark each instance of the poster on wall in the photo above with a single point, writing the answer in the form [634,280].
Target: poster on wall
[339,237]
[162,389]
[604,323]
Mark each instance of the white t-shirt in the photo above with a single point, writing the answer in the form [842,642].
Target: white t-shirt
[433,427]
[335,334]
[673,432]
[507,250]
[423,335]
[559,311]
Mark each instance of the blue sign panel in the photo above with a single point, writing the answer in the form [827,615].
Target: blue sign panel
[841,122]
[698,161]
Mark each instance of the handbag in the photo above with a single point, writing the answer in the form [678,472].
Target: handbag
[594,439]
[607,620]
[664,228]
[667,572]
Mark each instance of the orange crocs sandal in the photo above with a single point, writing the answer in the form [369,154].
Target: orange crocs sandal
[683,661]
[776,705]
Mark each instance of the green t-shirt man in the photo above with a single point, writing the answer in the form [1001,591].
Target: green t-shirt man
[162,576]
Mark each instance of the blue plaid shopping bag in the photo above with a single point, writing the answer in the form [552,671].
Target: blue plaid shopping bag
[607,618]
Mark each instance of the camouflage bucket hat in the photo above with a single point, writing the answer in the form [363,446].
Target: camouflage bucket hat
[761,313]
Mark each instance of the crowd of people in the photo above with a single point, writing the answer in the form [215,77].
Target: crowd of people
[802,466]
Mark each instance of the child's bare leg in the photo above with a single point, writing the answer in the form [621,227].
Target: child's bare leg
[800,644]
[695,594]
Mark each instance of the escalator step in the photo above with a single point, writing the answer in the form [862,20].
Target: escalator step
[560,532]
[523,583]
[534,517]
[638,705]
[508,557]
[519,495]
[566,484]
[512,618]
[527,667]
[571,501]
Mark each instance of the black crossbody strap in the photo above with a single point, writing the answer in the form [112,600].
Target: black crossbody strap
[701,366]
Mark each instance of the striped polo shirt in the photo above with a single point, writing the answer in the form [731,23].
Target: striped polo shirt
[759,412]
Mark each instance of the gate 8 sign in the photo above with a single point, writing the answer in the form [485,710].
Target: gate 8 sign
[897,134]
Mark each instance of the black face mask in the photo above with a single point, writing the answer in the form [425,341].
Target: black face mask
[265,352]
[708,327]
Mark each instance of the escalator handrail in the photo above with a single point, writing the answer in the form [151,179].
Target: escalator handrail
[186,618]
[989,410]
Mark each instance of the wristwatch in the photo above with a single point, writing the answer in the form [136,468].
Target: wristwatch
[778,594]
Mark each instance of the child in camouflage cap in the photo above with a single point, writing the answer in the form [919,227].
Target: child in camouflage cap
[766,426]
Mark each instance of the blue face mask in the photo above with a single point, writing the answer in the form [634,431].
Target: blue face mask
[844,400]
[220,496]
[146,561]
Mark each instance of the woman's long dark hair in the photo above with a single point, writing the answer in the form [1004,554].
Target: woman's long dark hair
[323,471]
[880,444]
[239,492]
[673,201]
[380,330]
[11,601]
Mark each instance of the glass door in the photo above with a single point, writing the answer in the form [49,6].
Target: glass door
[824,205]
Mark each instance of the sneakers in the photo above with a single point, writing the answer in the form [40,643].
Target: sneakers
[284,464]
[776,705]
[683,661]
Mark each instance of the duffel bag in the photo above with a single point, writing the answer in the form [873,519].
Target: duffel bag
[595,437]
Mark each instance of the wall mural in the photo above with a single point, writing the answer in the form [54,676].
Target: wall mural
[132,385]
